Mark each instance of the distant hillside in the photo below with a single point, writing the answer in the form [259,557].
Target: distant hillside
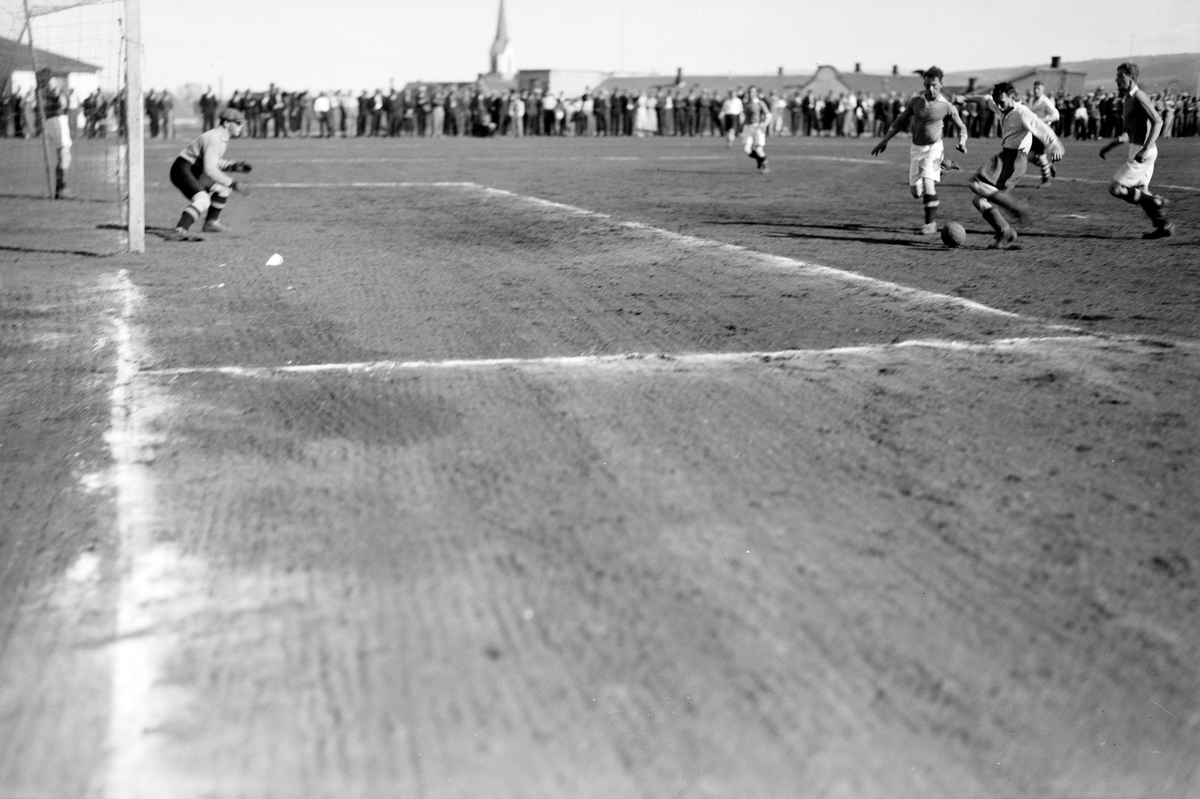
[1180,73]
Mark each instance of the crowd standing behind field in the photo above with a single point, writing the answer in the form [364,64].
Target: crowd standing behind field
[434,111]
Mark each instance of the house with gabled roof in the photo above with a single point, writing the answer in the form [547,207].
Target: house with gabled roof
[17,68]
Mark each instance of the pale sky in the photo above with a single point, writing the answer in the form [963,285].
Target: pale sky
[358,44]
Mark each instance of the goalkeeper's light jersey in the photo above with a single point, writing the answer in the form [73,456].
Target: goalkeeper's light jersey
[211,143]
[209,148]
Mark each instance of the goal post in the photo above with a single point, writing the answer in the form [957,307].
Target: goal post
[80,61]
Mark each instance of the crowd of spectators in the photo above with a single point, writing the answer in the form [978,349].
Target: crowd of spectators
[468,110]
[93,116]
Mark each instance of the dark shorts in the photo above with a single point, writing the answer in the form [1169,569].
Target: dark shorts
[185,178]
[1004,170]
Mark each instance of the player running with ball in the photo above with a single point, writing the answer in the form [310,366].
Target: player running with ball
[198,172]
[928,112]
[991,184]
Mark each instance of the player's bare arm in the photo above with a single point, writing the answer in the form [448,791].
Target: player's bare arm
[896,127]
[1155,119]
[962,129]
[1117,142]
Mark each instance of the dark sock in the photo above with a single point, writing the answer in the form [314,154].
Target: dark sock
[1153,207]
[995,219]
[931,207]
[186,219]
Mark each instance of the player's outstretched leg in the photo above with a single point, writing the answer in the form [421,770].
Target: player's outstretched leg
[1153,205]
[1047,169]
[1005,235]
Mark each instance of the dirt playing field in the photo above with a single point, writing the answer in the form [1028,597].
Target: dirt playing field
[601,468]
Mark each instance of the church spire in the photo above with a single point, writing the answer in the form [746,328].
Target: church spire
[502,60]
[501,43]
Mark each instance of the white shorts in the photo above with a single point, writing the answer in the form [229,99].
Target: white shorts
[1133,174]
[58,131]
[925,162]
[754,136]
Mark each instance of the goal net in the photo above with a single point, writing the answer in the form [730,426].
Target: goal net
[71,56]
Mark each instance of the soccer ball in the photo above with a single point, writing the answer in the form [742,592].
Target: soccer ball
[953,234]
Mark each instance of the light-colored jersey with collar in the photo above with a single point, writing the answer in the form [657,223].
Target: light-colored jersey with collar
[1019,126]
[209,149]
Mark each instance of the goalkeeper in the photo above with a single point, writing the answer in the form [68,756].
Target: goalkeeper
[199,172]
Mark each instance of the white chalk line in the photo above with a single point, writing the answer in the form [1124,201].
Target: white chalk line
[790,264]
[660,360]
[157,587]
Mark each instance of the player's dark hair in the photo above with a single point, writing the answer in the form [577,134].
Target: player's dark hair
[1037,83]
[1003,88]
[1129,69]
[934,72]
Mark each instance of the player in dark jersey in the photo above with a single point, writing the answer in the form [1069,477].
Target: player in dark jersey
[754,135]
[199,173]
[1143,123]
[58,131]
[928,112]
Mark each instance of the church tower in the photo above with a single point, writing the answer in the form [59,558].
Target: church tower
[503,62]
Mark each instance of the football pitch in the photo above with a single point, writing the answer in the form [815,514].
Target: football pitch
[601,468]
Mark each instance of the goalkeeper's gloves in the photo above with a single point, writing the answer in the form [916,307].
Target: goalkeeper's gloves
[237,186]
[239,166]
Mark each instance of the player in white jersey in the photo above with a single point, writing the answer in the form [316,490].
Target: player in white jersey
[199,172]
[928,113]
[731,116]
[992,182]
[754,135]
[1143,124]
[1046,111]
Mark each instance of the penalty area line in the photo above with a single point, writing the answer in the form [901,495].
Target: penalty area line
[651,360]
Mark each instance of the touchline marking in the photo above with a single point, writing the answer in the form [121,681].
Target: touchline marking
[156,586]
[653,360]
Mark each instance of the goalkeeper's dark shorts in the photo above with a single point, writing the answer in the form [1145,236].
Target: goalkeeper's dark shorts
[1004,170]
[189,177]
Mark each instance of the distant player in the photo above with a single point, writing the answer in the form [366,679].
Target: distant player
[1142,125]
[198,172]
[1046,111]
[928,113]
[991,184]
[58,132]
[731,116]
[754,135]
